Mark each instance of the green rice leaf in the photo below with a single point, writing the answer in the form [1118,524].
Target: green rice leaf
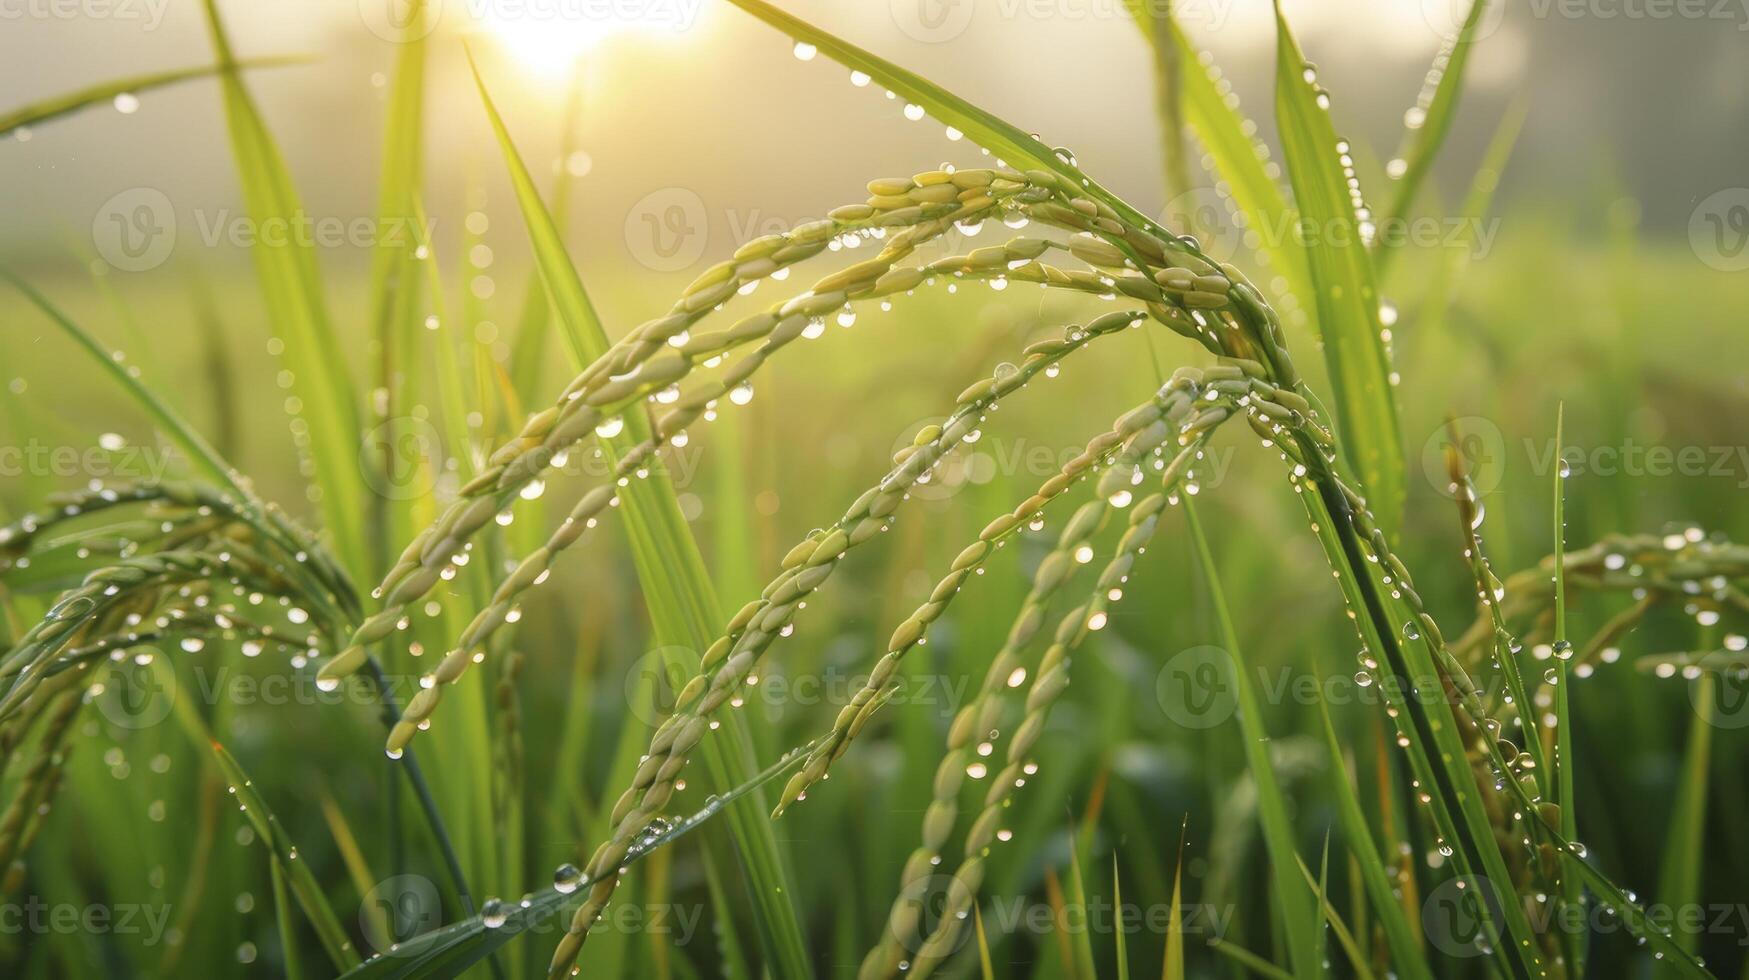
[1449,273]
[677,590]
[1564,759]
[1344,937]
[452,950]
[1172,963]
[284,852]
[1346,297]
[1424,141]
[1013,145]
[201,454]
[72,102]
[1123,951]
[1406,954]
[291,288]
[1297,905]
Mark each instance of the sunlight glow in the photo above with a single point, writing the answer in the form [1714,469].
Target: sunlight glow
[549,36]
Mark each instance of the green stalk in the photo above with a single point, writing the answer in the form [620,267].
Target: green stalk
[1298,906]
[1571,894]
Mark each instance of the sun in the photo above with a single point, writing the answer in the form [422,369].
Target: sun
[549,37]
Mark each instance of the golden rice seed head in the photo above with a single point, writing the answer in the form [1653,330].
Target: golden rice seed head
[452,666]
[865,529]
[1050,574]
[786,594]
[799,554]
[423,702]
[906,635]
[971,555]
[948,586]
[998,527]
[830,547]
[1026,735]
[792,791]
[1027,624]
[343,664]
[949,776]
[890,185]
[976,391]
[814,576]
[899,280]
[797,252]
[983,830]
[938,822]
[809,232]
[399,736]
[759,247]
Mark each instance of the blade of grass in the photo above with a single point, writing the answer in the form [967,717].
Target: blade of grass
[1424,141]
[394,279]
[47,109]
[1427,723]
[1573,940]
[200,453]
[292,290]
[1449,272]
[1249,960]
[1172,963]
[357,866]
[534,326]
[681,600]
[1013,145]
[1298,910]
[1679,879]
[298,878]
[1080,942]
[452,950]
[1344,937]
[1406,958]
[986,969]
[291,961]
[1123,951]
[1342,281]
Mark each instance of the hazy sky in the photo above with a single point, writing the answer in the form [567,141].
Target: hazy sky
[1651,96]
